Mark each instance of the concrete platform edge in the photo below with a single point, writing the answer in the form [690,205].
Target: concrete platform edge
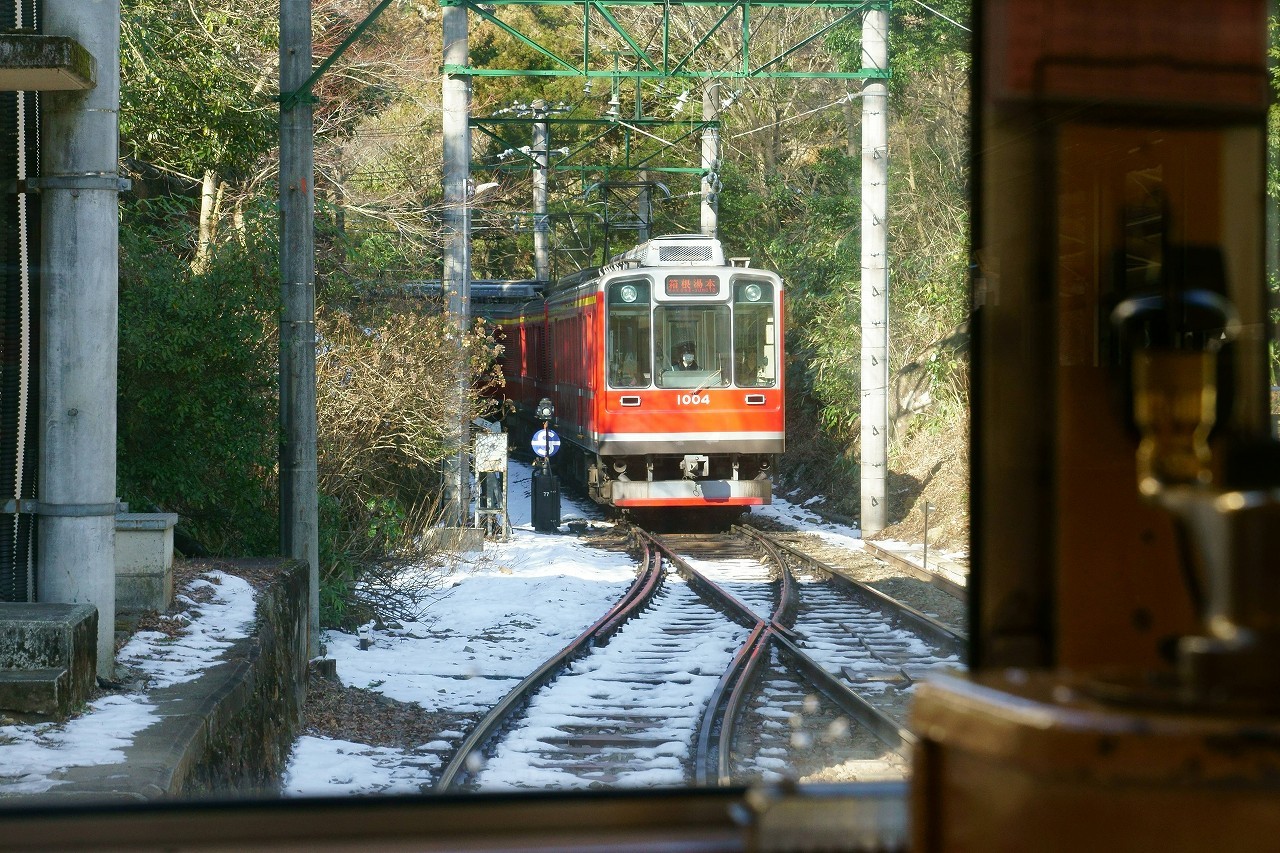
[225,734]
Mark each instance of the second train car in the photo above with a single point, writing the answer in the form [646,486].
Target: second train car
[665,367]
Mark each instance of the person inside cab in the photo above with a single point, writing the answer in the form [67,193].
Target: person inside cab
[684,357]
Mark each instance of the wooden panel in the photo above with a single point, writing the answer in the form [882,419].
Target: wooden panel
[1172,52]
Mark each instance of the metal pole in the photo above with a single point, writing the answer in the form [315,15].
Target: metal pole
[644,207]
[78,325]
[299,502]
[541,161]
[644,201]
[456,97]
[875,278]
[926,534]
[710,157]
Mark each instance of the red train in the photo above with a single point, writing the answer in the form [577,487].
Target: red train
[665,368]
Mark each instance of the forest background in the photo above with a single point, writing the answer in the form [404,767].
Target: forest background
[199,289]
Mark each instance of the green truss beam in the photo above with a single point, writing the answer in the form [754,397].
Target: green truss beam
[667,59]
[630,129]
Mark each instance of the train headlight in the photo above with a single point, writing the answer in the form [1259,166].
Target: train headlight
[628,293]
[752,292]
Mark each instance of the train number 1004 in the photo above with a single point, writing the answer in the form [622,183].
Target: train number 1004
[694,399]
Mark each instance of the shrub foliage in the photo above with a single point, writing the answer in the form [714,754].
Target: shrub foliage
[197,384]
[386,415]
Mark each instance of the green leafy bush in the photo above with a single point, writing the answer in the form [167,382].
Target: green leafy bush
[197,382]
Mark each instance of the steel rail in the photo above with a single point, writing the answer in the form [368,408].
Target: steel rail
[740,670]
[741,675]
[636,597]
[641,591]
[880,724]
[730,604]
[782,618]
[859,709]
[942,582]
[944,637]
[785,615]
[848,700]
[737,700]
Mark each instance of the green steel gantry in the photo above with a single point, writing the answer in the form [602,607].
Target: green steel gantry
[676,58]
[669,60]
[672,55]
[667,66]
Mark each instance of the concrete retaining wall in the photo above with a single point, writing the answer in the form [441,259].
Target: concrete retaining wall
[249,727]
[227,733]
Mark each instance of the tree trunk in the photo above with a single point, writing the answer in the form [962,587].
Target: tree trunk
[773,151]
[208,215]
[852,128]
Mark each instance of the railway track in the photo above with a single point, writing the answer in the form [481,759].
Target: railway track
[467,760]
[941,581]
[731,659]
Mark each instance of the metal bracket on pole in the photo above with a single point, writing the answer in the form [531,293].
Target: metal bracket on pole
[31,506]
[86,181]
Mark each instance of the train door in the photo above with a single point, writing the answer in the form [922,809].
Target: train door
[755,334]
[629,359]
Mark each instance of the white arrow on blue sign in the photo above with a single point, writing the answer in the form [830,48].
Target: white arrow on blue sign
[546,442]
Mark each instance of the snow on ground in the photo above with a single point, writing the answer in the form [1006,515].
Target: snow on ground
[228,616]
[33,755]
[324,767]
[506,611]
[795,515]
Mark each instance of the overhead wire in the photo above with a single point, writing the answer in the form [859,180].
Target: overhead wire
[841,100]
[942,16]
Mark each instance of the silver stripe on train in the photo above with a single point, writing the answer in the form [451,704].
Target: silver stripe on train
[694,436]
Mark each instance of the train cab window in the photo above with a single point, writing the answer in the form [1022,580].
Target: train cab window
[755,341]
[629,334]
[692,346]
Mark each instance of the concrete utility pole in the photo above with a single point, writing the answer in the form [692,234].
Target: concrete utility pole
[541,162]
[456,277]
[710,158]
[299,502]
[875,278]
[644,199]
[80,183]
[644,207]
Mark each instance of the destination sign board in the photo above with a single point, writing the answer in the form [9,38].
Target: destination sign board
[693,285]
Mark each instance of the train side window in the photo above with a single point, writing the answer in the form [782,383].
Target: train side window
[755,335]
[629,334]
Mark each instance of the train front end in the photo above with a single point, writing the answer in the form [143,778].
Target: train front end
[693,409]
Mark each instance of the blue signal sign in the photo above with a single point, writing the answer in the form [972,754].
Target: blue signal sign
[546,442]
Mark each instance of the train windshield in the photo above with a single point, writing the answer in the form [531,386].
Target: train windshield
[755,335]
[692,346]
[629,364]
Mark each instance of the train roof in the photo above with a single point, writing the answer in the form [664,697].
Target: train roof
[674,250]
